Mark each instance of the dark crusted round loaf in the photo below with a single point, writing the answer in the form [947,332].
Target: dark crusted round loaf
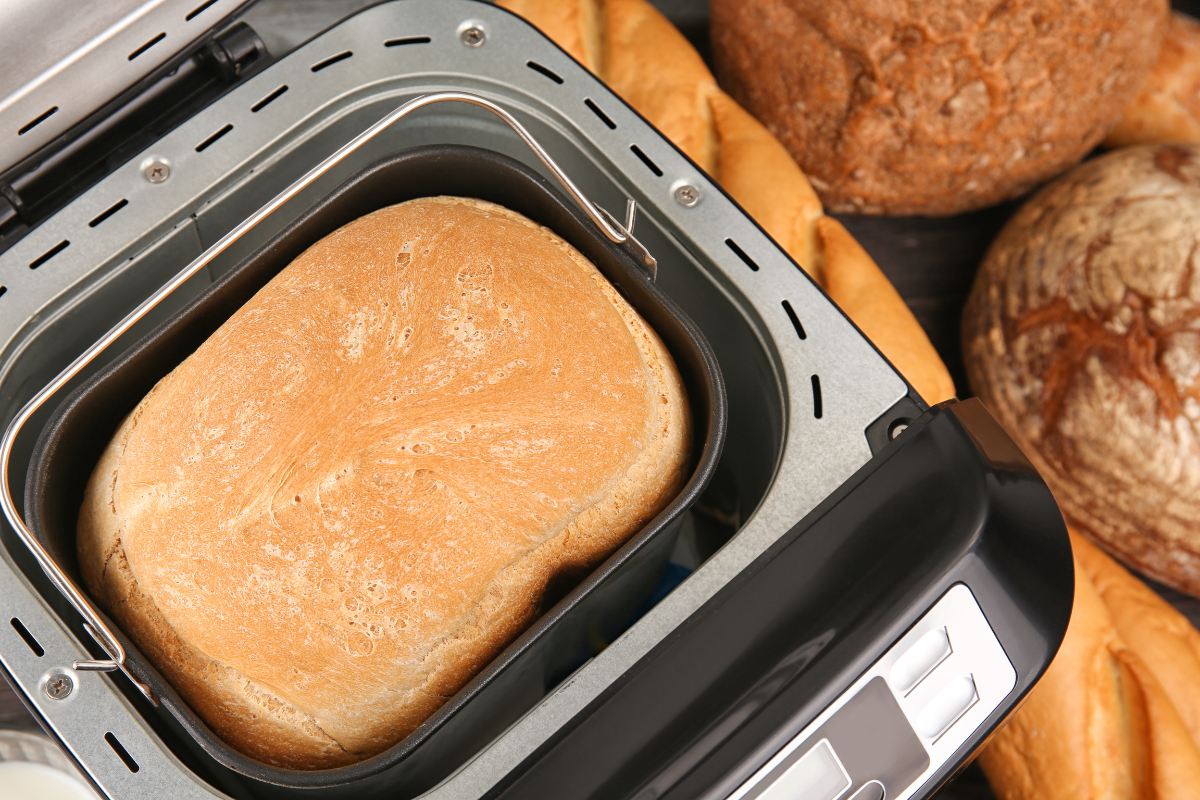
[1082,335]
[934,106]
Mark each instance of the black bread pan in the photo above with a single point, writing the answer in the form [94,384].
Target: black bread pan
[590,614]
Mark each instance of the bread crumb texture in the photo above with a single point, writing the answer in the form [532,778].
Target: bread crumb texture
[934,106]
[336,511]
[1082,335]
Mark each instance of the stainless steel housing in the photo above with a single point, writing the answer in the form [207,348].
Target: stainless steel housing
[63,59]
[783,458]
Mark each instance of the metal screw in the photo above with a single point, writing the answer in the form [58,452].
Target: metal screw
[157,171]
[473,36]
[687,195]
[59,686]
[899,429]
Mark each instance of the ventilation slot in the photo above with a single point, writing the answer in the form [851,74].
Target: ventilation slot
[24,633]
[200,148]
[816,384]
[604,118]
[111,210]
[147,46]
[45,115]
[742,255]
[329,62]
[549,73]
[266,101]
[406,40]
[637,151]
[198,10]
[795,320]
[49,254]
[121,752]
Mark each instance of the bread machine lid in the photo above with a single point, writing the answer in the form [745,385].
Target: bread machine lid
[63,60]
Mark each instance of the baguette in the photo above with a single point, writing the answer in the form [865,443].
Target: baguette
[1101,723]
[635,50]
[1167,108]
[1163,638]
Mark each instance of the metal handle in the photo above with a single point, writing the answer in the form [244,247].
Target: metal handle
[94,625]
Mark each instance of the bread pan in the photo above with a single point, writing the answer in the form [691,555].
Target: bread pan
[590,614]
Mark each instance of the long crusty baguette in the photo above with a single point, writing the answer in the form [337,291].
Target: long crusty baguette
[1167,109]
[1162,637]
[1100,723]
[643,58]
[341,506]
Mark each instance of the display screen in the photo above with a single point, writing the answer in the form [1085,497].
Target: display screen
[818,775]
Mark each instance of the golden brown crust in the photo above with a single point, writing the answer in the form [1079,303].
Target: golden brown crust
[934,106]
[1098,724]
[1167,108]
[649,63]
[652,66]
[450,405]
[1082,335]
[1163,639]
[869,299]
[786,206]
[656,71]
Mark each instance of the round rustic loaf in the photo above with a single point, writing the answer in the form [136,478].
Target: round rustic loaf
[1082,335]
[354,494]
[934,106]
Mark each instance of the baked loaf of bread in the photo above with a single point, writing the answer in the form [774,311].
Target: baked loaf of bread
[934,106]
[1082,335]
[635,50]
[340,507]
[1167,109]
[1105,721]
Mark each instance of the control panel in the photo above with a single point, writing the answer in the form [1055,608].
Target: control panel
[888,733]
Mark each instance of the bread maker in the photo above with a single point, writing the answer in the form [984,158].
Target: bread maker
[865,590]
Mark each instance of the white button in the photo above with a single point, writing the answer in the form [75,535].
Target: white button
[929,651]
[945,709]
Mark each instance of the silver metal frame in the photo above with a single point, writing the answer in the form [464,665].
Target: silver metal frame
[74,57]
[176,220]
[96,626]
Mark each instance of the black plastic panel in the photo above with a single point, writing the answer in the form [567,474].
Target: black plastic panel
[46,181]
[873,739]
[950,500]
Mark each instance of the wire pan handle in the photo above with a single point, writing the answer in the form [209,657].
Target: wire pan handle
[95,626]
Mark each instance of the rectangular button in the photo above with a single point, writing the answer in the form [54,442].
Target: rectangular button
[930,650]
[945,709]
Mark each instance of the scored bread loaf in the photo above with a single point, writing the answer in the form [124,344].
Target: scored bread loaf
[934,107]
[1080,336]
[1161,636]
[1114,715]
[329,517]
[635,50]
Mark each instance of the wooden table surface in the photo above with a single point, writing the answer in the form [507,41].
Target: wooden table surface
[932,262]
